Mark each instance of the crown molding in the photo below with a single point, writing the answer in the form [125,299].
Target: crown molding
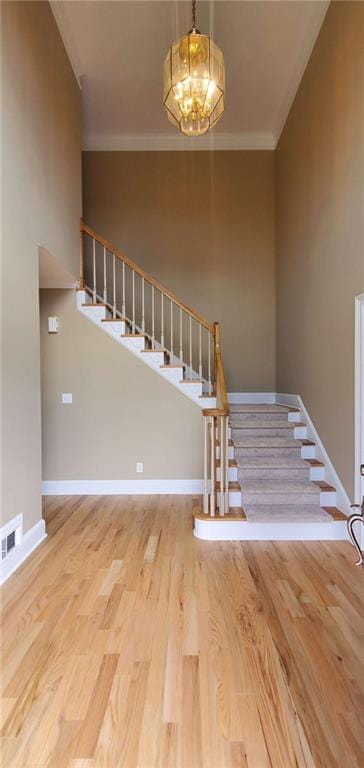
[159,142]
[59,13]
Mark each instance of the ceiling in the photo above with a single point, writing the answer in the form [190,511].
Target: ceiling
[117,49]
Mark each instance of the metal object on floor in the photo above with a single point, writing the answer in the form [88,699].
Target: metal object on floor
[357,517]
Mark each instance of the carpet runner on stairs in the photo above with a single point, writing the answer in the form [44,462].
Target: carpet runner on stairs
[274,478]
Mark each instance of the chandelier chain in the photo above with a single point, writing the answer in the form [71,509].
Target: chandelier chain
[193,15]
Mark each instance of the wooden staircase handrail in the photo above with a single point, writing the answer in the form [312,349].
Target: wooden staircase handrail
[172,296]
[222,402]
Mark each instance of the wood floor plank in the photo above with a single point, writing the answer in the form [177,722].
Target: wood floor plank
[128,643]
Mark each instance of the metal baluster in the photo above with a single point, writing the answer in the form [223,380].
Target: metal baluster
[143,307]
[190,348]
[133,279]
[209,362]
[171,331]
[104,275]
[180,336]
[124,314]
[94,267]
[113,286]
[153,334]
[205,462]
[199,352]
[162,320]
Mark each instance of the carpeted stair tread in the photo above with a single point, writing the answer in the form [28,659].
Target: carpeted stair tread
[262,424]
[257,485]
[249,441]
[272,462]
[261,408]
[284,513]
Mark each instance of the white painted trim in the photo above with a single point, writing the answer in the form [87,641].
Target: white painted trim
[30,540]
[251,398]
[160,142]
[243,530]
[331,476]
[283,399]
[120,487]
[359,389]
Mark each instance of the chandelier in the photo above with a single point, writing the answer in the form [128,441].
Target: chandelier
[194,82]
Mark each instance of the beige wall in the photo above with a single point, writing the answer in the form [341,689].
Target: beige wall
[41,203]
[320,225]
[122,411]
[203,224]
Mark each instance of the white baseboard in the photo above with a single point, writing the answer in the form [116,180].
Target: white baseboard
[254,398]
[283,399]
[331,476]
[29,541]
[120,487]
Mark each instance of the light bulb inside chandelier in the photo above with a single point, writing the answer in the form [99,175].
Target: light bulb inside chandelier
[194,82]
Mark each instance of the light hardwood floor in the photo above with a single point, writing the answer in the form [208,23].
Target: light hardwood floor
[126,642]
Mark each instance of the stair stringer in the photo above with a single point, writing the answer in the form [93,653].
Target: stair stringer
[155,359]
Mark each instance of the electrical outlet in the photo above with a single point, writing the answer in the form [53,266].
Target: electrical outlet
[66,398]
[139,466]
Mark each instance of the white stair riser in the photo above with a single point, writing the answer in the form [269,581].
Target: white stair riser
[174,375]
[233,474]
[300,433]
[230,452]
[96,314]
[234,499]
[207,402]
[317,473]
[114,329]
[154,360]
[294,416]
[134,343]
[308,452]
[192,390]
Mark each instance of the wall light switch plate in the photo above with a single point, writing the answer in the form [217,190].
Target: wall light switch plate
[53,324]
[139,466]
[66,397]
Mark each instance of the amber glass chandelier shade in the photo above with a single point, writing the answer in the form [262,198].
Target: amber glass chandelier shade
[194,84]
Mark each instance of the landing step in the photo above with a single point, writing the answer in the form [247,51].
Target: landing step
[95,304]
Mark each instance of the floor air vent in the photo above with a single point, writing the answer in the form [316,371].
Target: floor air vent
[11,535]
[7,544]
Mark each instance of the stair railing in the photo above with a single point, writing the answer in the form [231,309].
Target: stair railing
[216,442]
[169,325]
